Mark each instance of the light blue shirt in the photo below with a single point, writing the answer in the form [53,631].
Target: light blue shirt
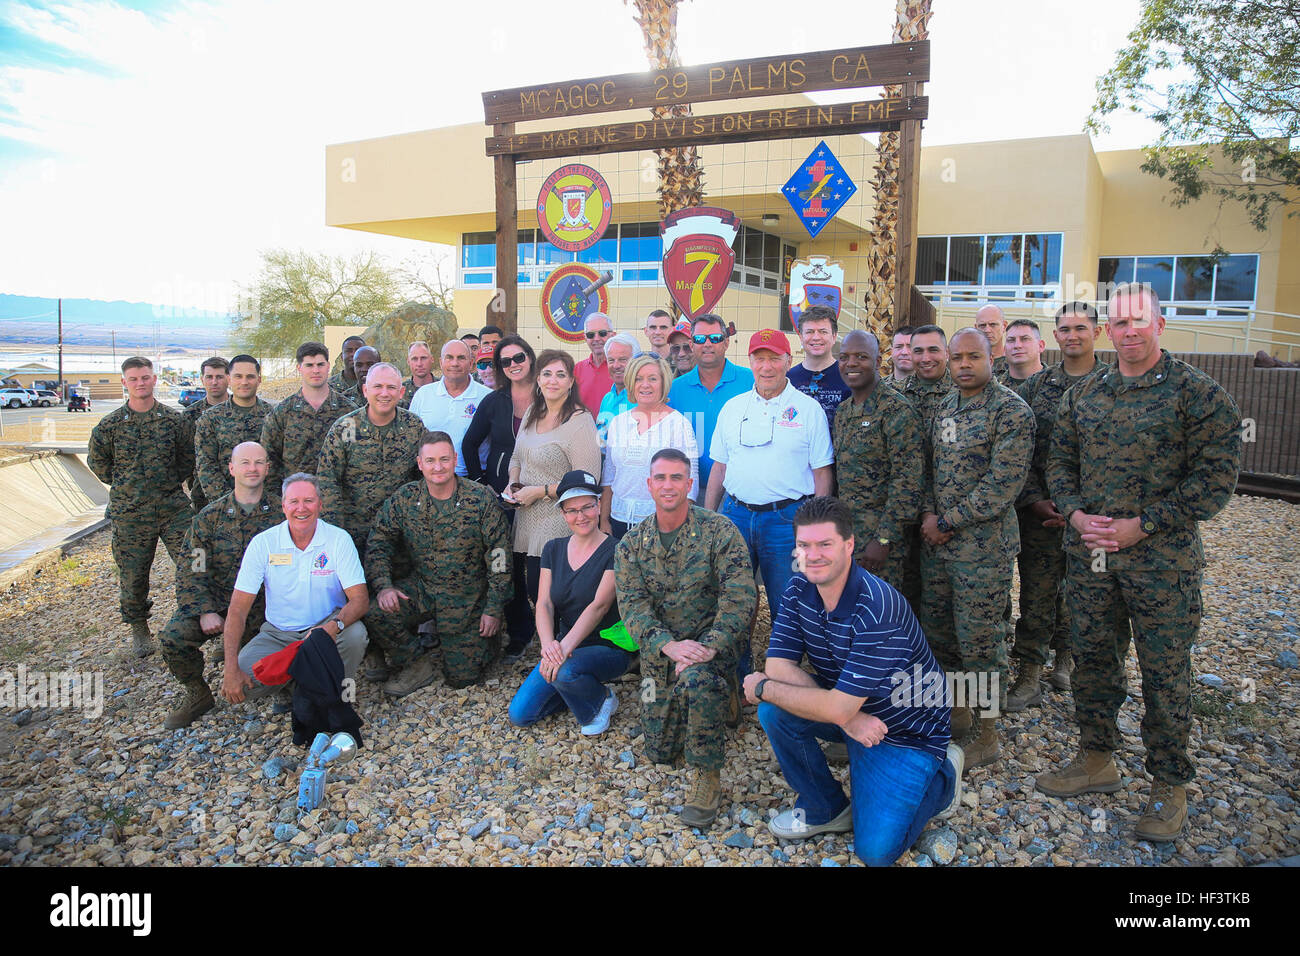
[614,403]
[702,407]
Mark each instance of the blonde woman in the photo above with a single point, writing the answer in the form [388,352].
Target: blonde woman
[634,436]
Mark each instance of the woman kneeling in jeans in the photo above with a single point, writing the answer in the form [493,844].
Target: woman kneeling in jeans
[577,619]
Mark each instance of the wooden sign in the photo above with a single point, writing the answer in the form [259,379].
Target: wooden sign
[850,68]
[838,119]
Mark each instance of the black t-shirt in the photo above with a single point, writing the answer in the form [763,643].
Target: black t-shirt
[826,386]
[573,591]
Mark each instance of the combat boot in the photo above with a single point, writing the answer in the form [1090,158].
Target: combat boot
[961,722]
[1092,771]
[373,664]
[1062,669]
[983,748]
[1027,690]
[142,640]
[198,701]
[1165,815]
[702,802]
[411,678]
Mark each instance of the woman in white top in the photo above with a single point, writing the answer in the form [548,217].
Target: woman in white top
[633,437]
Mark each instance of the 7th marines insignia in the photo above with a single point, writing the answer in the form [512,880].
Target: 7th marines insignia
[698,257]
[574,207]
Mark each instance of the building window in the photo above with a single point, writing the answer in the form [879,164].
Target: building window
[632,251]
[759,266]
[1000,266]
[1188,286]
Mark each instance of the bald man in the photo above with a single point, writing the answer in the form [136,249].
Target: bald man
[991,321]
[366,358]
[449,405]
[214,546]
[879,460]
[368,454]
[981,444]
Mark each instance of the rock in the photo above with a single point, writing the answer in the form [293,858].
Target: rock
[23,717]
[351,829]
[273,768]
[285,832]
[740,840]
[636,812]
[628,758]
[583,817]
[478,829]
[922,859]
[827,861]
[511,842]
[1287,659]
[1210,680]
[939,845]
[1037,847]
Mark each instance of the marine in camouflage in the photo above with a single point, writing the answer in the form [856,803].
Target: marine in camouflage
[293,433]
[217,433]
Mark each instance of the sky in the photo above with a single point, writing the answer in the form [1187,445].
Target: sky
[150,150]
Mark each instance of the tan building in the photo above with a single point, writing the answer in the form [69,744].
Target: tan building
[1028,223]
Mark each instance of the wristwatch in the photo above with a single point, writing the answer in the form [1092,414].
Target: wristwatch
[758,688]
[339,621]
[943,525]
[884,542]
[1148,526]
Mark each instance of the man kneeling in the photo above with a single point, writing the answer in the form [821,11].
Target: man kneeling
[859,634]
[313,579]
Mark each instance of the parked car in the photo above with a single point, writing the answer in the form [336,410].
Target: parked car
[44,397]
[191,395]
[15,398]
[78,403]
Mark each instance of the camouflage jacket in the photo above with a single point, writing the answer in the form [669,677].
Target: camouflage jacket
[220,429]
[194,411]
[361,464]
[215,544]
[1043,393]
[460,549]
[1167,447]
[341,384]
[701,589]
[879,464]
[980,453]
[1000,367]
[293,433]
[409,388]
[1016,385]
[144,457]
[926,396]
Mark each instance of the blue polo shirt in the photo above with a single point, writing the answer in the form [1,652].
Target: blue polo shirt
[701,407]
[613,404]
[869,645]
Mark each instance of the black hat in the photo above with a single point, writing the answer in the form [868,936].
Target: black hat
[577,483]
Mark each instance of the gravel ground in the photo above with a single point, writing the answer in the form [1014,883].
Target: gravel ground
[446,779]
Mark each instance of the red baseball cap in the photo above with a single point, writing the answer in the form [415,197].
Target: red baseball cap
[681,328]
[769,339]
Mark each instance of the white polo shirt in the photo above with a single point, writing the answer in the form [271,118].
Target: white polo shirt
[441,412]
[303,588]
[771,446]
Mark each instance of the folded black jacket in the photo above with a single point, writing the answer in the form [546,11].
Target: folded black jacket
[318,704]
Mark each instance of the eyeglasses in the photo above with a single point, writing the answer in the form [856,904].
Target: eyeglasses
[601,332]
[589,508]
[680,347]
[483,366]
[717,338]
[519,358]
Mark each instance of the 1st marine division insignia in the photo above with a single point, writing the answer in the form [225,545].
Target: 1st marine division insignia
[574,207]
[698,257]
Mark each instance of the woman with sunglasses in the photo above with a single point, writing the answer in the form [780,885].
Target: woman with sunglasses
[497,422]
[633,437]
[583,643]
[557,435]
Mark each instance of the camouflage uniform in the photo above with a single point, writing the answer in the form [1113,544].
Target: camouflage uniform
[341,384]
[925,397]
[293,432]
[1000,368]
[205,579]
[1044,620]
[192,413]
[144,458]
[217,435]
[361,464]
[1166,448]
[701,589]
[980,452]
[880,467]
[460,551]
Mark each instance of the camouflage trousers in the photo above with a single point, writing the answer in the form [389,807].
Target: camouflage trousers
[911,573]
[466,655]
[135,541]
[1044,622]
[687,712]
[1165,610]
[894,570]
[182,639]
[961,613]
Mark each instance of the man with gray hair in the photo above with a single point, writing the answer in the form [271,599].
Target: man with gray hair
[619,350]
[449,405]
[313,579]
[592,373]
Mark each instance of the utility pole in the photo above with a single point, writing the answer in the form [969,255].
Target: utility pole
[114,334]
[62,389]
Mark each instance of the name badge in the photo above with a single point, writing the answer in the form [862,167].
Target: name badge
[281,560]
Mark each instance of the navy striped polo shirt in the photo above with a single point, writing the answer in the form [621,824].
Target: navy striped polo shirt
[870,645]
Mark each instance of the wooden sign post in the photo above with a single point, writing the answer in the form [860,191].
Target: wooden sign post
[905,64]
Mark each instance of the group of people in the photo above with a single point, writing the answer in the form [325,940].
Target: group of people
[620,509]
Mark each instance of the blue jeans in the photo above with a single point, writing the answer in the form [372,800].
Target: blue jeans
[770,538]
[896,790]
[578,684]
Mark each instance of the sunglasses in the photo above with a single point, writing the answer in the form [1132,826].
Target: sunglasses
[717,338]
[519,358]
[601,332]
[483,366]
